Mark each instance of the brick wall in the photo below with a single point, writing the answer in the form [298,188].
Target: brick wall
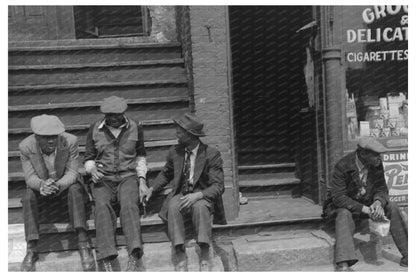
[212,94]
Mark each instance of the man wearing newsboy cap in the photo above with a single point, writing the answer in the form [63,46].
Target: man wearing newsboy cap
[50,165]
[115,159]
[198,183]
[358,190]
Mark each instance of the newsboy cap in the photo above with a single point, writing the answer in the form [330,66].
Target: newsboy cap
[191,123]
[113,104]
[371,144]
[47,125]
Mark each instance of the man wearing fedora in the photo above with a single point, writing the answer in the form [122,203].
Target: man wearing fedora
[50,165]
[115,159]
[358,190]
[198,183]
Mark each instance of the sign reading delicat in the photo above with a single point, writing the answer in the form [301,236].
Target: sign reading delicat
[380,33]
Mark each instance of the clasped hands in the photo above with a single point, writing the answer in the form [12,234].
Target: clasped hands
[375,211]
[48,187]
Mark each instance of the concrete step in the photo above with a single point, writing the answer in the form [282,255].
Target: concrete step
[77,54]
[157,257]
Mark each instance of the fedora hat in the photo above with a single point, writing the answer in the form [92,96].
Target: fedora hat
[47,125]
[191,124]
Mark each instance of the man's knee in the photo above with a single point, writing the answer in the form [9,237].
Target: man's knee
[201,207]
[173,205]
[343,214]
[75,189]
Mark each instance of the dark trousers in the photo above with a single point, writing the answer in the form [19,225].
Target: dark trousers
[34,204]
[345,227]
[107,193]
[199,214]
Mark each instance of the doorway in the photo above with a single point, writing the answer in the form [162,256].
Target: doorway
[275,138]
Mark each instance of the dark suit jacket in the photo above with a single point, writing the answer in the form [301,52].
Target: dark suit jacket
[66,162]
[208,177]
[345,185]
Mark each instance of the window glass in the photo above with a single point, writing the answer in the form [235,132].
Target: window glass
[375,44]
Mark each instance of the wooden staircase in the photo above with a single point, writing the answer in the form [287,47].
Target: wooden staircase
[70,80]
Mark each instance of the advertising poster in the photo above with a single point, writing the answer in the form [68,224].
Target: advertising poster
[396,174]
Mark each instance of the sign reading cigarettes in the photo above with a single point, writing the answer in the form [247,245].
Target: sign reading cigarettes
[396,174]
[385,34]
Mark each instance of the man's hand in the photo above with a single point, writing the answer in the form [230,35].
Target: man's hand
[366,210]
[142,189]
[377,211]
[48,187]
[190,199]
[145,196]
[96,175]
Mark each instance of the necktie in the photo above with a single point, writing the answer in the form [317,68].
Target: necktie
[186,173]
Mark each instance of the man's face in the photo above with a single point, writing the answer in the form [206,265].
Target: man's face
[47,143]
[372,158]
[114,120]
[184,138]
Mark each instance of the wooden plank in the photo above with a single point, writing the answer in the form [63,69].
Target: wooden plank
[265,166]
[94,47]
[95,65]
[98,85]
[96,104]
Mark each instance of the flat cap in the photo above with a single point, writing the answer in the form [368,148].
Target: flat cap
[113,104]
[47,125]
[371,144]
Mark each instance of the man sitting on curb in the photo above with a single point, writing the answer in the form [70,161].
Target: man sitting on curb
[198,183]
[50,165]
[358,190]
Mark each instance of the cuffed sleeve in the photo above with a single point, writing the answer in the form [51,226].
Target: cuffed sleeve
[32,179]
[141,167]
[71,171]
[166,175]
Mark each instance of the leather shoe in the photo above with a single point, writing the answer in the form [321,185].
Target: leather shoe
[87,259]
[204,266]
[403,262]
[182,266]
[135,264]
[107,264]
[343,267]
[29,261]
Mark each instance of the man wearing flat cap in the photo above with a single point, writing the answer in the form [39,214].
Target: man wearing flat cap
[358,190]
[115,159]
[196,172]
[50,165]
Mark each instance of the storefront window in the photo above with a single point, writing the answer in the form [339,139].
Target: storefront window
[375,44]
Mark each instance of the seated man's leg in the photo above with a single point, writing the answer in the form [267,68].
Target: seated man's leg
[76,196]
[105,221]
[201,219]
[344,232]
[398,228]
[128,195]
[31,222]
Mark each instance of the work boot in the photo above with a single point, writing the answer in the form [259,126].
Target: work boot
[106,264]
[135,264]
[87,259]
[29,261]
[204,266]
[182,265]
[343,266]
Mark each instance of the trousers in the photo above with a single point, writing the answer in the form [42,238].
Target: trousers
[34,204]
[345,225]
[198,216]
[107,194]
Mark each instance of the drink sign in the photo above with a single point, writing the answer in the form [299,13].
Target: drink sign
[396,175]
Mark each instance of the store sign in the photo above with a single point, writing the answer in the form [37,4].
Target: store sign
[384,34]
[396,174]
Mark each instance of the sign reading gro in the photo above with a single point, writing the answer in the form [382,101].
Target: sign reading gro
[396,174]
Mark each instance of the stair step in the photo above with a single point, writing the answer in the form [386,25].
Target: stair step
[95,65]
[269,179]
[97,74]
[82,127]
[265,166]
[157,258]
[77,54]
[158,100]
